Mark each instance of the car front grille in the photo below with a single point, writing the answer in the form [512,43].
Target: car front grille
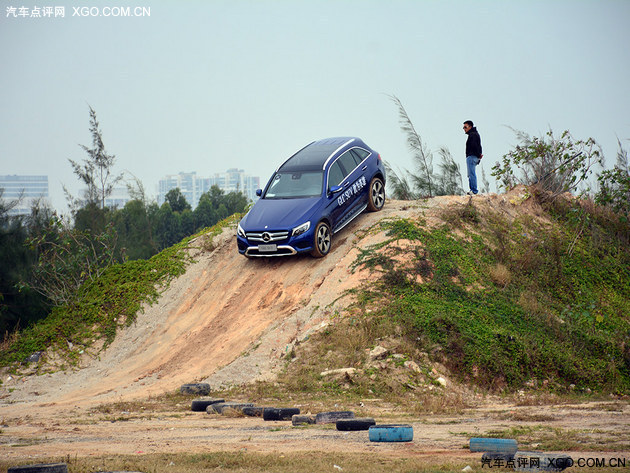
[267,237]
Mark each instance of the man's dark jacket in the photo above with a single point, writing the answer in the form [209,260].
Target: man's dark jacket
[473,143]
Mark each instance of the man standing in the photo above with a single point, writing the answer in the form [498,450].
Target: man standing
[473,155]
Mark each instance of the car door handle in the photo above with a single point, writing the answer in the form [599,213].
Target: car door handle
[364,168]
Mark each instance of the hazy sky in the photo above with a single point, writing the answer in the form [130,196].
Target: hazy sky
[207,85]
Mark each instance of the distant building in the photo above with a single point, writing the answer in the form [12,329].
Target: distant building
[192,186]
[235,180]
[118,198]
[24,189]
[189,184]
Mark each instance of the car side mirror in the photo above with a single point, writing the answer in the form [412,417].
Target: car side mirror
[258,192]
[335,189]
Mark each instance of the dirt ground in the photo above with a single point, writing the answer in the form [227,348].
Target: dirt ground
[229,321]
[49,433]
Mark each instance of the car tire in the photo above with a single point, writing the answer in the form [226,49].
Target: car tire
[391,433]
[333,416]
[200,389]
[253,411]
[376,195]
[322,240]
[546,461]
[302,419]
[200,405]
[492,445]
[286,413]
[360,423]
[40,468]
[220,407]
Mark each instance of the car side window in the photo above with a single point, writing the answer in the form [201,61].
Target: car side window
[348,162]
[361,153]
[335,175]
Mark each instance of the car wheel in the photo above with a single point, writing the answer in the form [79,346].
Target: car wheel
[322,240]
[376,197]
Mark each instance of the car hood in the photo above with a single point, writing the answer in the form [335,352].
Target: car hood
[277,214]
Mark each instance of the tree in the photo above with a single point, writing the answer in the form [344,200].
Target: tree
[424,182]
[614,185]
[135,231]
[177,200]
[555,165]
[449,180]
[95,171]
[235,202]
[167,227]
[205,215]
[68,257]
[18,307]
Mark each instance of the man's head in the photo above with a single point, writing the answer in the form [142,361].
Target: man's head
[468,124]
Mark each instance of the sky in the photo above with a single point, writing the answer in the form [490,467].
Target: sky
[209,85]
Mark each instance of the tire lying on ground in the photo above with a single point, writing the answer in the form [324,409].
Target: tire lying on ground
[538,461]
[482,444]
[359,423]
[253,411]
[302,419]
[333,416]
[200,389]
[490,458]
[220,407]
[391,433]
[200,405]
[286,413]
[40,468]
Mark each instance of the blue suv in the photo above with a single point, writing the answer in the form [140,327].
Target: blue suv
[311,196]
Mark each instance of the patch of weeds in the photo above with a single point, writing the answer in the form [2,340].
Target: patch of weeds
[255,462]
[510,302]
[459,215]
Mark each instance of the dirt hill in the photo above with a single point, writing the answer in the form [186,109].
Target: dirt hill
[228,320]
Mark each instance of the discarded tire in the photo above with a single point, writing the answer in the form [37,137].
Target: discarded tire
[200,389]
[272,413]
[302,419]
[360,423]
[492,458]
[482,444]
[538,461]
[40,468]
[220,407]
[333,416]
[391,433]
[200,405]
[253,411]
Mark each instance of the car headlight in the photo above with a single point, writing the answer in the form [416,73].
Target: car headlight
[301,229]
[240,231]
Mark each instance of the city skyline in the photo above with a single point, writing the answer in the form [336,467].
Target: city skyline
[120,195]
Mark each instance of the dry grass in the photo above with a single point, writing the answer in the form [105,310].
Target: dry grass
[288,462]
[500,275]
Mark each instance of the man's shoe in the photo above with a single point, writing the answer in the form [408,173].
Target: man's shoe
[470,193]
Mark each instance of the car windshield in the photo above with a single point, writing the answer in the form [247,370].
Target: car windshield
[293,185]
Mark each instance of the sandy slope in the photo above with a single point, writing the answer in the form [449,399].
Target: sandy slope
[230,320]
[224,306]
